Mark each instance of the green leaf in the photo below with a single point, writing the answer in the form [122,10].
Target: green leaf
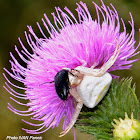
[120,98]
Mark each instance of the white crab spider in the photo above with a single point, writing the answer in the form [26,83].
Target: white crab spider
[89,86]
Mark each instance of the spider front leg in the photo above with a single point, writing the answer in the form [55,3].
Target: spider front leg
[103,69]
[76,113]
[111,61]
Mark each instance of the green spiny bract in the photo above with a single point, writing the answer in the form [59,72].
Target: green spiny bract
[120,98]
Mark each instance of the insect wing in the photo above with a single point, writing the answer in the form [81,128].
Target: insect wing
[62,84]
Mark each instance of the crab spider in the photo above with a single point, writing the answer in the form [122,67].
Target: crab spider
[89,86]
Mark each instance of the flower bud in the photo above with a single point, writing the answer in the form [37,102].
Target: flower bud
[127,129]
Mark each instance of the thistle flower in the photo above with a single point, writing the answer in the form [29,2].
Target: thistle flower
[71,43]
[126,129]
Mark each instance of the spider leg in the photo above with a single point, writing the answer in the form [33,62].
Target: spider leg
[93,66]
[74,118]
[76,113]
[68,69]
[104,68]
[110,62]
[84,63]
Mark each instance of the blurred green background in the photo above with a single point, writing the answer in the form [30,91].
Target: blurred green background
[15,16]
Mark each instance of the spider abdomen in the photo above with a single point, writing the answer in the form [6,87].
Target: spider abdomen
[92,89]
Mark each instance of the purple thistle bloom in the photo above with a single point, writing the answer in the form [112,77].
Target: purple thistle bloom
[71,43]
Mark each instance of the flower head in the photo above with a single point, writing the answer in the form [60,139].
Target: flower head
[126,129]
[71,43]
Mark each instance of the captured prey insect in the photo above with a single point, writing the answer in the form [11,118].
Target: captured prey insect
[61,80]
[62,83]
[87,85]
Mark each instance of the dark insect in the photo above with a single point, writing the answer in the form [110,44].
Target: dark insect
[62,84]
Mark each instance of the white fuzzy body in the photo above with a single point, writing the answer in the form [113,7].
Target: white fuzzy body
[89,85]
[93,89]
